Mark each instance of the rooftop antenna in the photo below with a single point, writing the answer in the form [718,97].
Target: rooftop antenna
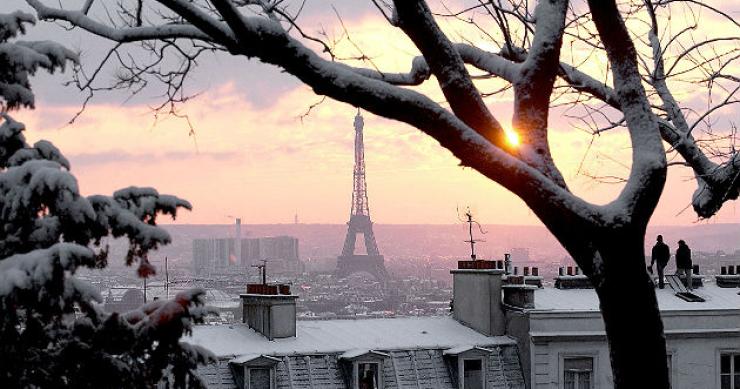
[263,271]
[469,219]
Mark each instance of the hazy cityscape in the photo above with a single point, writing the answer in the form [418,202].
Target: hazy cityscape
[419,258]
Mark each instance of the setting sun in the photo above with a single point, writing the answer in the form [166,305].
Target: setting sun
[512,138]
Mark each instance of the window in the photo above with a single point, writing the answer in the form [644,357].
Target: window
[473,374]
[368,375]
[729,371]
[259,378]
[578,373]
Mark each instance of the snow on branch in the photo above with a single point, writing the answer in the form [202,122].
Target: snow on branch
[35,270]
[19,60]
[40,196]
[415,19]
[647,176]
[265,39]
[131,34]
[533,87]
[54,332]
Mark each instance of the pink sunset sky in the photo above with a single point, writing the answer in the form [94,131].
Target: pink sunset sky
[253,157]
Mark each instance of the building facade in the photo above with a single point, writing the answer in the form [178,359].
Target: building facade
[220,254]
[563,343]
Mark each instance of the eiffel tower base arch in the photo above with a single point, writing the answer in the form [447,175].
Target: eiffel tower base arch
[372,264]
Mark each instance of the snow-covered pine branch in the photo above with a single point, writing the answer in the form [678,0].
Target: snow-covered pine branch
[53,330]
[21,59]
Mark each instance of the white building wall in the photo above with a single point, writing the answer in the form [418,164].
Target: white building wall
[694,362]
[694,341]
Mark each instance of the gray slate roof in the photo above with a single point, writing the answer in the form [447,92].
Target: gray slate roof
[312,360]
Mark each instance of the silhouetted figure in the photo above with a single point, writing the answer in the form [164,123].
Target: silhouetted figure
[661,255]
[683,263]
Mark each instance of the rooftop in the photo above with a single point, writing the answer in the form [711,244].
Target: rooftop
[553,299]
[338,336]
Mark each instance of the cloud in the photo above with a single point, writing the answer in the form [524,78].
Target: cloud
[96,159]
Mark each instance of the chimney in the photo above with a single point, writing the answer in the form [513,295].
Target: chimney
[508,263]
[476,296]
[270,310]
[572,280]
[728,277]
[519,295]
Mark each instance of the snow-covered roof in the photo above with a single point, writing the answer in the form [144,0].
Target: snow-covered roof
[553,299]
[251,357]
[465,348]
[352,354]
[339,336]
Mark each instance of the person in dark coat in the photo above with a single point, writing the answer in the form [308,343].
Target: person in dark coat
[661,255]
[684,264]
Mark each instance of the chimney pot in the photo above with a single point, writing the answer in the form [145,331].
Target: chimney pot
[526,270]
[560,271]
[570,270]
[723,270]
[516,270]
[730,270]
[535,271]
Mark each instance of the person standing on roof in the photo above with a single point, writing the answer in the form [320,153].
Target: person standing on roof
[661,255]
[683,262]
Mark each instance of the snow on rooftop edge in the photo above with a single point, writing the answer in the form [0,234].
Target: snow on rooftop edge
[339,336]
[561,300]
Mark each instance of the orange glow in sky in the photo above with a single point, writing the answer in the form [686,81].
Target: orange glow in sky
[264,164]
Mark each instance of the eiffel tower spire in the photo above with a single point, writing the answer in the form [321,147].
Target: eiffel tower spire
[360,204]
[359,220]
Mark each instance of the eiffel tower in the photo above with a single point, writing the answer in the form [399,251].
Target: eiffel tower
[359,222]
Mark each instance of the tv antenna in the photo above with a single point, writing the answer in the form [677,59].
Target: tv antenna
[263,271]
[469,219]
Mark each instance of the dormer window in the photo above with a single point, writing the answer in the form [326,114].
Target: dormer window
[469,363]
[260,378]
[368,375]
[472,377]
[254,371]
[364,368]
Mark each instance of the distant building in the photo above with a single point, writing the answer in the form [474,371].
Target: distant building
[211,255]
[220,254]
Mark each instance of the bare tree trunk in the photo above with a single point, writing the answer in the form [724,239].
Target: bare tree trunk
[631,316]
